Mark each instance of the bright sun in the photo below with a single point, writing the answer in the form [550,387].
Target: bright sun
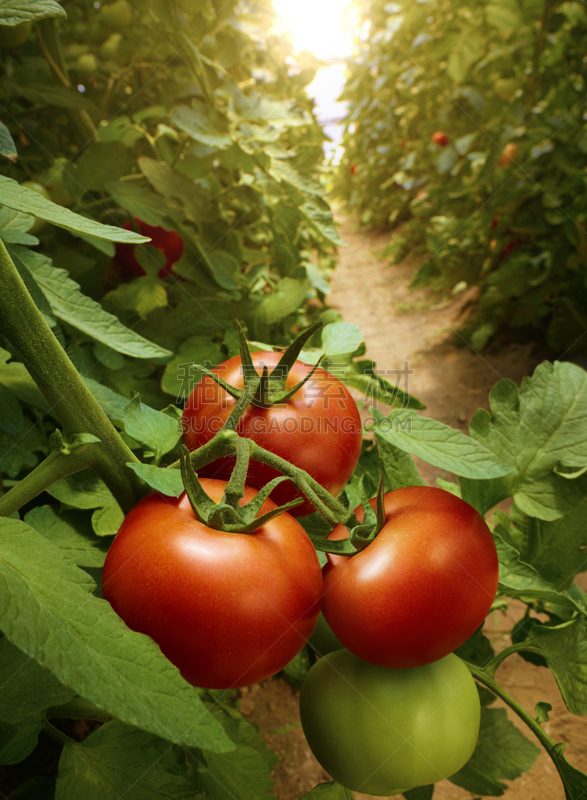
[316,25]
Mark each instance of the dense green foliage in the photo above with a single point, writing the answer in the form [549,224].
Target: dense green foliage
[486,74]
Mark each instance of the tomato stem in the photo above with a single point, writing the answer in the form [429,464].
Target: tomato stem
[554,750]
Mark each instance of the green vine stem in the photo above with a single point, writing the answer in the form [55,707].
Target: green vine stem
[53,468]
[486,677]
[78,708]
[68,396]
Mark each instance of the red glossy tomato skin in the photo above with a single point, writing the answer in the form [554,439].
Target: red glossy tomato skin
[318,429]
[421,588]
[227,609]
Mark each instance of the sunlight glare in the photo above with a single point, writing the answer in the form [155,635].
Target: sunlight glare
[316,25]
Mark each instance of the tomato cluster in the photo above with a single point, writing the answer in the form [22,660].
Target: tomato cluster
[388,706]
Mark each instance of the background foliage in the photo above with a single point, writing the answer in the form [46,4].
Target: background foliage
[488,74]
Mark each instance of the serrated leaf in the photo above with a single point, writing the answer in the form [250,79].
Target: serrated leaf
[86,490]
[15,12]
[565,649]
[155,430]
[536,429]
[139,200]
[398,465]
[22,199]
[502,753]
[69,304]
[69,534]
[319,216]
[166,481]
[47,609]
[437,444]
[287,296]
[119,760]
[196,203]
[375,386]
[112,403]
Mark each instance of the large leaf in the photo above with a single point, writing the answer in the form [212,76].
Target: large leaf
[68,531]
[155,430]
[203,124]
[69,304]
[48,610]
[438,444]
[118,760]
[537,430]
[22,199]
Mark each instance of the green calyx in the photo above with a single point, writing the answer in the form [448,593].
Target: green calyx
[360,535]
[271,388]
[228,515]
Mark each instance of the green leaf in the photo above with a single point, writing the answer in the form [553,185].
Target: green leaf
[517,579]
[535,430]
[38,788]
[118,760]
[71,533]
[112,404]
[48,610]
[196,203]
[19,451]
[143,294]
[340,338]
[86,490]
[181,374]
[555,549]
[437,444]
[329,791]
[375,386]
[204,124]
[502,753]
[155,430]
[70,305]
[574,780]
[564,647]
[420,793]
[7,146]
[22,199]
[318,214]
[166,481]
[286,297]
[398,465]
[502,15]
[245,775]
[15,12]
[139,200]
[101,163]
[26,689]
[11,418]
[284,172]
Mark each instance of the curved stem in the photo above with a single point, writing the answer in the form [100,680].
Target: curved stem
[78,708]
[60,737]
[544,739]
[53,468]
[68,396]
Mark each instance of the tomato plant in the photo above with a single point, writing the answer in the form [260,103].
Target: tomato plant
[318,429]
[384,731]
[227,608]
[420,588]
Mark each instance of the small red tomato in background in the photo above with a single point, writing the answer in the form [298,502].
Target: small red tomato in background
[318,429]
[228,609]
[495,220]
[169,242]
[440,138]
[509,154]
[353,169]
[421,588]
[510,246]
[404,144]
[421,195]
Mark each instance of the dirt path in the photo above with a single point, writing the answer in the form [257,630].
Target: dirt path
[401,326]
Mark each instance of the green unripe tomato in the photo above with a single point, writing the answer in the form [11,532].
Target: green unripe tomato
[87,63]
[323,640]
[117,15]
[15,35]
[38,224]
[506,88]
[109,48]
[384,731]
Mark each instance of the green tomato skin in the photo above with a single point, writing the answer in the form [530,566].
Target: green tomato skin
[383,731]
[323,640]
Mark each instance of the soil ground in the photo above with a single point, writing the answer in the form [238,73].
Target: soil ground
[402,326]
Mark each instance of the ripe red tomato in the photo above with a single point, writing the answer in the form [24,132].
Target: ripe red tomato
[353,169]
[318,429]
[440,138]
[510,153]
[228,609]
[169,242]
[421,588]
